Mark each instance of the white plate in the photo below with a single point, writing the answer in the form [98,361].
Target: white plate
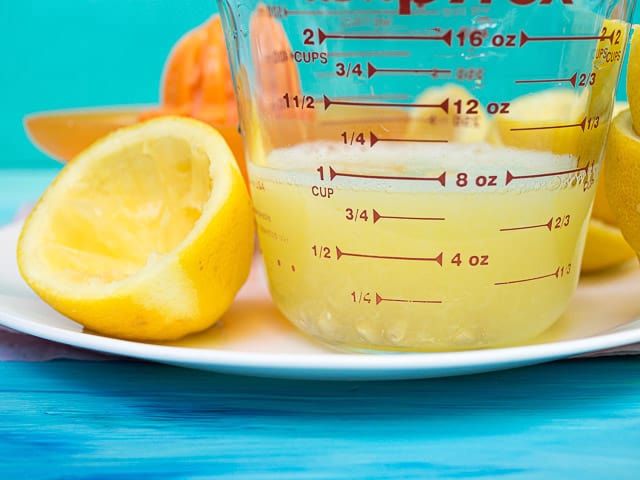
[254,339]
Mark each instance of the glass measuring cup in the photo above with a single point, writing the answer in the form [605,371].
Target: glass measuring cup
[423,171]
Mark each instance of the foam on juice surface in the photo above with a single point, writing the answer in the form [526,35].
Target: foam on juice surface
[405,247]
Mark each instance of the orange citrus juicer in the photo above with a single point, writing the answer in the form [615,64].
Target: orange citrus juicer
[197,83]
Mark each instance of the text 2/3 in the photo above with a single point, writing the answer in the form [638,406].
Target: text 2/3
[561,222]
[584,79]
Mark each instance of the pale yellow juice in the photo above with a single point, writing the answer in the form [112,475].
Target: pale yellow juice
[401,247]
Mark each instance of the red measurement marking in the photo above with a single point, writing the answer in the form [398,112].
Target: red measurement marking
[340,254]
[550,127]
[445,37]
[386,53]
[442,178]
[531,279]
[527,227]
[355,121]
[380,299]
[511,176]
[357,98]
[338,12]
[572,80]
[434,72]
[524,38]
[375,139]
[377,216]
[444,105]
[404,6]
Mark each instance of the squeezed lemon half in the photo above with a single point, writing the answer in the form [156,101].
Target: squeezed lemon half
[146,235]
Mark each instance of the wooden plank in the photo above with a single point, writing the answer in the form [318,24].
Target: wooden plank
[120,419]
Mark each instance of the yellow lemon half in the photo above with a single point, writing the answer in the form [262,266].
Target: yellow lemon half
[622,177]
[633,74]
[601,207]
[531,123]
[607,62]
[146,235]
[604,248]
[456,116]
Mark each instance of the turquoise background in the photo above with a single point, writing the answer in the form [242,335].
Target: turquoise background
[82,53]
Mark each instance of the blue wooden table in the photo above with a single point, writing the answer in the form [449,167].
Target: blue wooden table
[121,419]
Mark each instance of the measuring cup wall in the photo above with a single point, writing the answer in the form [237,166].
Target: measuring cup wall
[423,172]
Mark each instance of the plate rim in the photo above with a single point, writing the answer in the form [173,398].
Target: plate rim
[338,365]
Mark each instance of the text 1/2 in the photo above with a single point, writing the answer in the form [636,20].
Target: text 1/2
[301,102]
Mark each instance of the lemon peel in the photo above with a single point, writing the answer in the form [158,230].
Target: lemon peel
[622,177]
[146,235]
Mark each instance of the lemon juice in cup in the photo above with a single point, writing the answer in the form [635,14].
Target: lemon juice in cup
[423,178]
[464,260]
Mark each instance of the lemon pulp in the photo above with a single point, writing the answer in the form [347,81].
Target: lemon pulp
[163,186]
